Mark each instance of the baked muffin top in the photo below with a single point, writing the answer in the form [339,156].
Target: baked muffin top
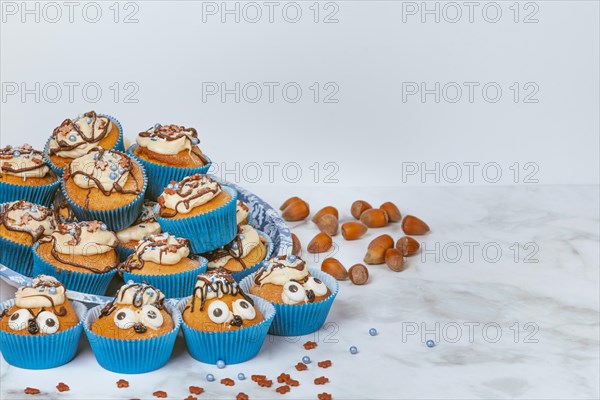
[192,191]
[145,225]
[76,137]
[23,161]
[22,218]
[168,139]
[246,240]
[163,249]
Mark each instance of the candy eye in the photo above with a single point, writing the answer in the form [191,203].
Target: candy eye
[316,286]
[125,318]
[293,293]
[218,312]
[19,320]
[151,316]
[47,322]
[244,309]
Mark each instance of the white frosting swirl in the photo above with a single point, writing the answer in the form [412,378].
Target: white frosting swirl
[163,249]
[241,211]
[249,238]
[281,270]
[45,291]
[23,161]
[88,137]
[23,216]
[145,225]
[192,191]
[168,139]
[107,167]
[138,294]
[85,238]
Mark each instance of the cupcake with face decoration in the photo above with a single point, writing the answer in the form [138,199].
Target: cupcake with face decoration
[163,261]
[42,321]
[145,225]
[106,185]
[21,225]
[222,322]
[169,152]
[77,136]
[24,175]
[302,298]
[80,254]
[199,208]
[135,332]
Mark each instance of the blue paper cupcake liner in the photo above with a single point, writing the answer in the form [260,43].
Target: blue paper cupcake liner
[41,194]
[132,356]
[233,347]
[177,285]
[124,252]
[115,219]
[239,275]
[119,146]
[206,231]
[42,351]
[300,319]
[160,175]
[78,281]
[16,256]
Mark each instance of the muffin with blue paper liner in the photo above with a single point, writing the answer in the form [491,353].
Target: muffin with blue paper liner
[21,225]
[106,185]
[201,210]
[241,212]
[222,322]
[24,175]
[163,261]
[144,226]
[77,136]
[243,255]
[80,254]
[135,332]
[169,153]
[41,321]
[302,297]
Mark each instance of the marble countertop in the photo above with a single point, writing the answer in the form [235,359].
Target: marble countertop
[506,284]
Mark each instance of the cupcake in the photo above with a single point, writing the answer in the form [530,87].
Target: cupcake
[41,321]
[76,137]
[144,225]
[162,260]
[200,209]
[21,225]
[24,175]
[302,298]
[241,212]
[169,152]
[80,254]
[135,332]
[222,322]
[106,185]
[243,255]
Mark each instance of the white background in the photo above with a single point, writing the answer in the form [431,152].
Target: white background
[372,49]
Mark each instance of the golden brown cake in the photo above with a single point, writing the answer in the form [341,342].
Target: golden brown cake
[241,212]
[170,145]
[160,255]
[247,249]
[144,226]
[63,212]
[136,312]
[194,195]
[285,280]
[25,223]
[40,309]
[76,137]
[24,166]
[86,247]
[103,180]
[219,304]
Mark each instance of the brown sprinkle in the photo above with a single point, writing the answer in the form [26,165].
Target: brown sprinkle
[310,345]
[258,378]
[324,364]
[301,367]
[265,383]
[283,389]
[283,378]
[190,397]
[324,396]
[30,390]
[160,394]
[241,396]
[62,387]
[122,383]
[293,382]
[227,382]
[196,390]
[321,380]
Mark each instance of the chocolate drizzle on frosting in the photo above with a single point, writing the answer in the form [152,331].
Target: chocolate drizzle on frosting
[41,285]
[171,133]
[277,263]
[219,282]
[186,191]
[22,161]
[31,218]
[139,294]
[71,125]
[163,244]
[234,249]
